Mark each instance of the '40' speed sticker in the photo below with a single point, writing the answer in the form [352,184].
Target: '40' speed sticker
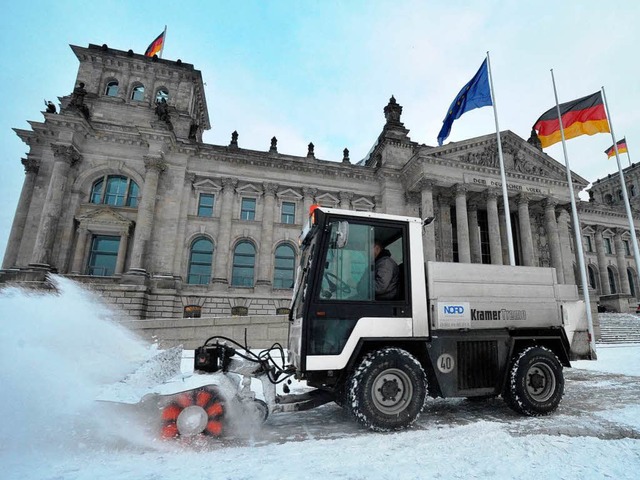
[445,363]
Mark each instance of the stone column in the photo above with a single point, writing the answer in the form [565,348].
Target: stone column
[504,240]
[81,248]
[122,252]
[565,246]
[266,239]
[179,251]
[605,288]
[526,238]
[462,224]
[146,209]
[474,234]
[309,196]
[345,200]
[428,234]
[31,168]
[220,270]
[621,262]
[493,221]
[445,225]
[553,238]
[64,157]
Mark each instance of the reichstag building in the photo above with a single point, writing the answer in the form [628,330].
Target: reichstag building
[121,193]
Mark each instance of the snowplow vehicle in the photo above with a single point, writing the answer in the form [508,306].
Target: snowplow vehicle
[443,330]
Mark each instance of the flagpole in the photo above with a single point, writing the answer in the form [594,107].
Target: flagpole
[164,40]
[577,231]
[623,186]
[505,196]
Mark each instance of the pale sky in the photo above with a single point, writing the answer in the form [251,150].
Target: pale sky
[322,71]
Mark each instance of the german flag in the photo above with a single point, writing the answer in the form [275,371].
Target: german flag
[155,46]
[584,116]
[622,148]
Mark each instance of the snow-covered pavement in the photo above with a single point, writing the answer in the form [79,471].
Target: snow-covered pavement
[60,350]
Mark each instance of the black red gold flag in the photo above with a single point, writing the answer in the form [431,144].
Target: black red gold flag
[584,116]
[155,46]
[622,148]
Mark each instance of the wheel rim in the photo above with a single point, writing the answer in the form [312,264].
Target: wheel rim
[392,391]
[541,382]
[194,412]
[192,421]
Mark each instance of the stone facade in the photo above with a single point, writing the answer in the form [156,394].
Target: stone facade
[121,193]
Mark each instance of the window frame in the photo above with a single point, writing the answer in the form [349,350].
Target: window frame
[608,249]
[250,213]
[112,88]
[192,263]
[277,269]
[128,198]
[200,205]
[236,279]
[136,89]
[94,253]
[285,216]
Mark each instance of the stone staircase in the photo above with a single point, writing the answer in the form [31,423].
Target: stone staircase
[619,328]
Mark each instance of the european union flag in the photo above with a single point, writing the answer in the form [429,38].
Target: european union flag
[474,94]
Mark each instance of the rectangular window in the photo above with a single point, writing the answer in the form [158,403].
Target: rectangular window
[288,213]
[103,255]
[587,240]
[607,246]
[627,248]
[248,209]
[205,205]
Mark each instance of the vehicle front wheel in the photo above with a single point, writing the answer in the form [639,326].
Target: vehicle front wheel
[536,384]
[387,391]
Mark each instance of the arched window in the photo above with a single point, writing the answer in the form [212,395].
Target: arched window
[632,283]
[138,93]
[112,88]
[162,94]
[119,191]
[612,279]
[244,259]
[608,198]
[592,278]
[200,260]
[284,267]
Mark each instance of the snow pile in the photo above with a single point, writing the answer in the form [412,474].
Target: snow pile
[57,351]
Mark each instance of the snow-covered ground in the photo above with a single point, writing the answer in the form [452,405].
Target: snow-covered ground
[58,351]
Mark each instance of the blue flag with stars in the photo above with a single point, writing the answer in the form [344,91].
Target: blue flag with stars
[474,94]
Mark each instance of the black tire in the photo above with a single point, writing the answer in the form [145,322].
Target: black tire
[536,384]
[387,391]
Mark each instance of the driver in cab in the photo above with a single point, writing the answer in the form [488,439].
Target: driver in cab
[387,274]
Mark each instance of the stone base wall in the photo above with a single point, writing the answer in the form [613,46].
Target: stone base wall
[262,331]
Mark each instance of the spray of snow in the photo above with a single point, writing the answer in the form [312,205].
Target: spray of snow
[58,350]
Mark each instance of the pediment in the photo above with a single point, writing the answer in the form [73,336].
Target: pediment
[103,216]
[289,193]
[520,157]
[207,185]
[362,203]
[327,200]
[249,189]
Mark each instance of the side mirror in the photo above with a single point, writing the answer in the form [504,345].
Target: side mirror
[342,234]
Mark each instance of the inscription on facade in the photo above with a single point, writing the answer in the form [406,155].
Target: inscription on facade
[516,187]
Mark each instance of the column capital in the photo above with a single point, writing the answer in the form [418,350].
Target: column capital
[461,189]
[619,232]
[66,153]
[270,189]
[563,213]
[190,178]
[492,193]
[309,192]
[154,163]
[229,183]
[425,184]
[550,204]
[523,199]
[599,229]
[30,165]
[346,196]
[472,206]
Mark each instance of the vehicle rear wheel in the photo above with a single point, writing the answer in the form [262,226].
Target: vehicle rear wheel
[536,383]
[387,391]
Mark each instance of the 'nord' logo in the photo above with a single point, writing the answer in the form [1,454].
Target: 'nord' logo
[454,309]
